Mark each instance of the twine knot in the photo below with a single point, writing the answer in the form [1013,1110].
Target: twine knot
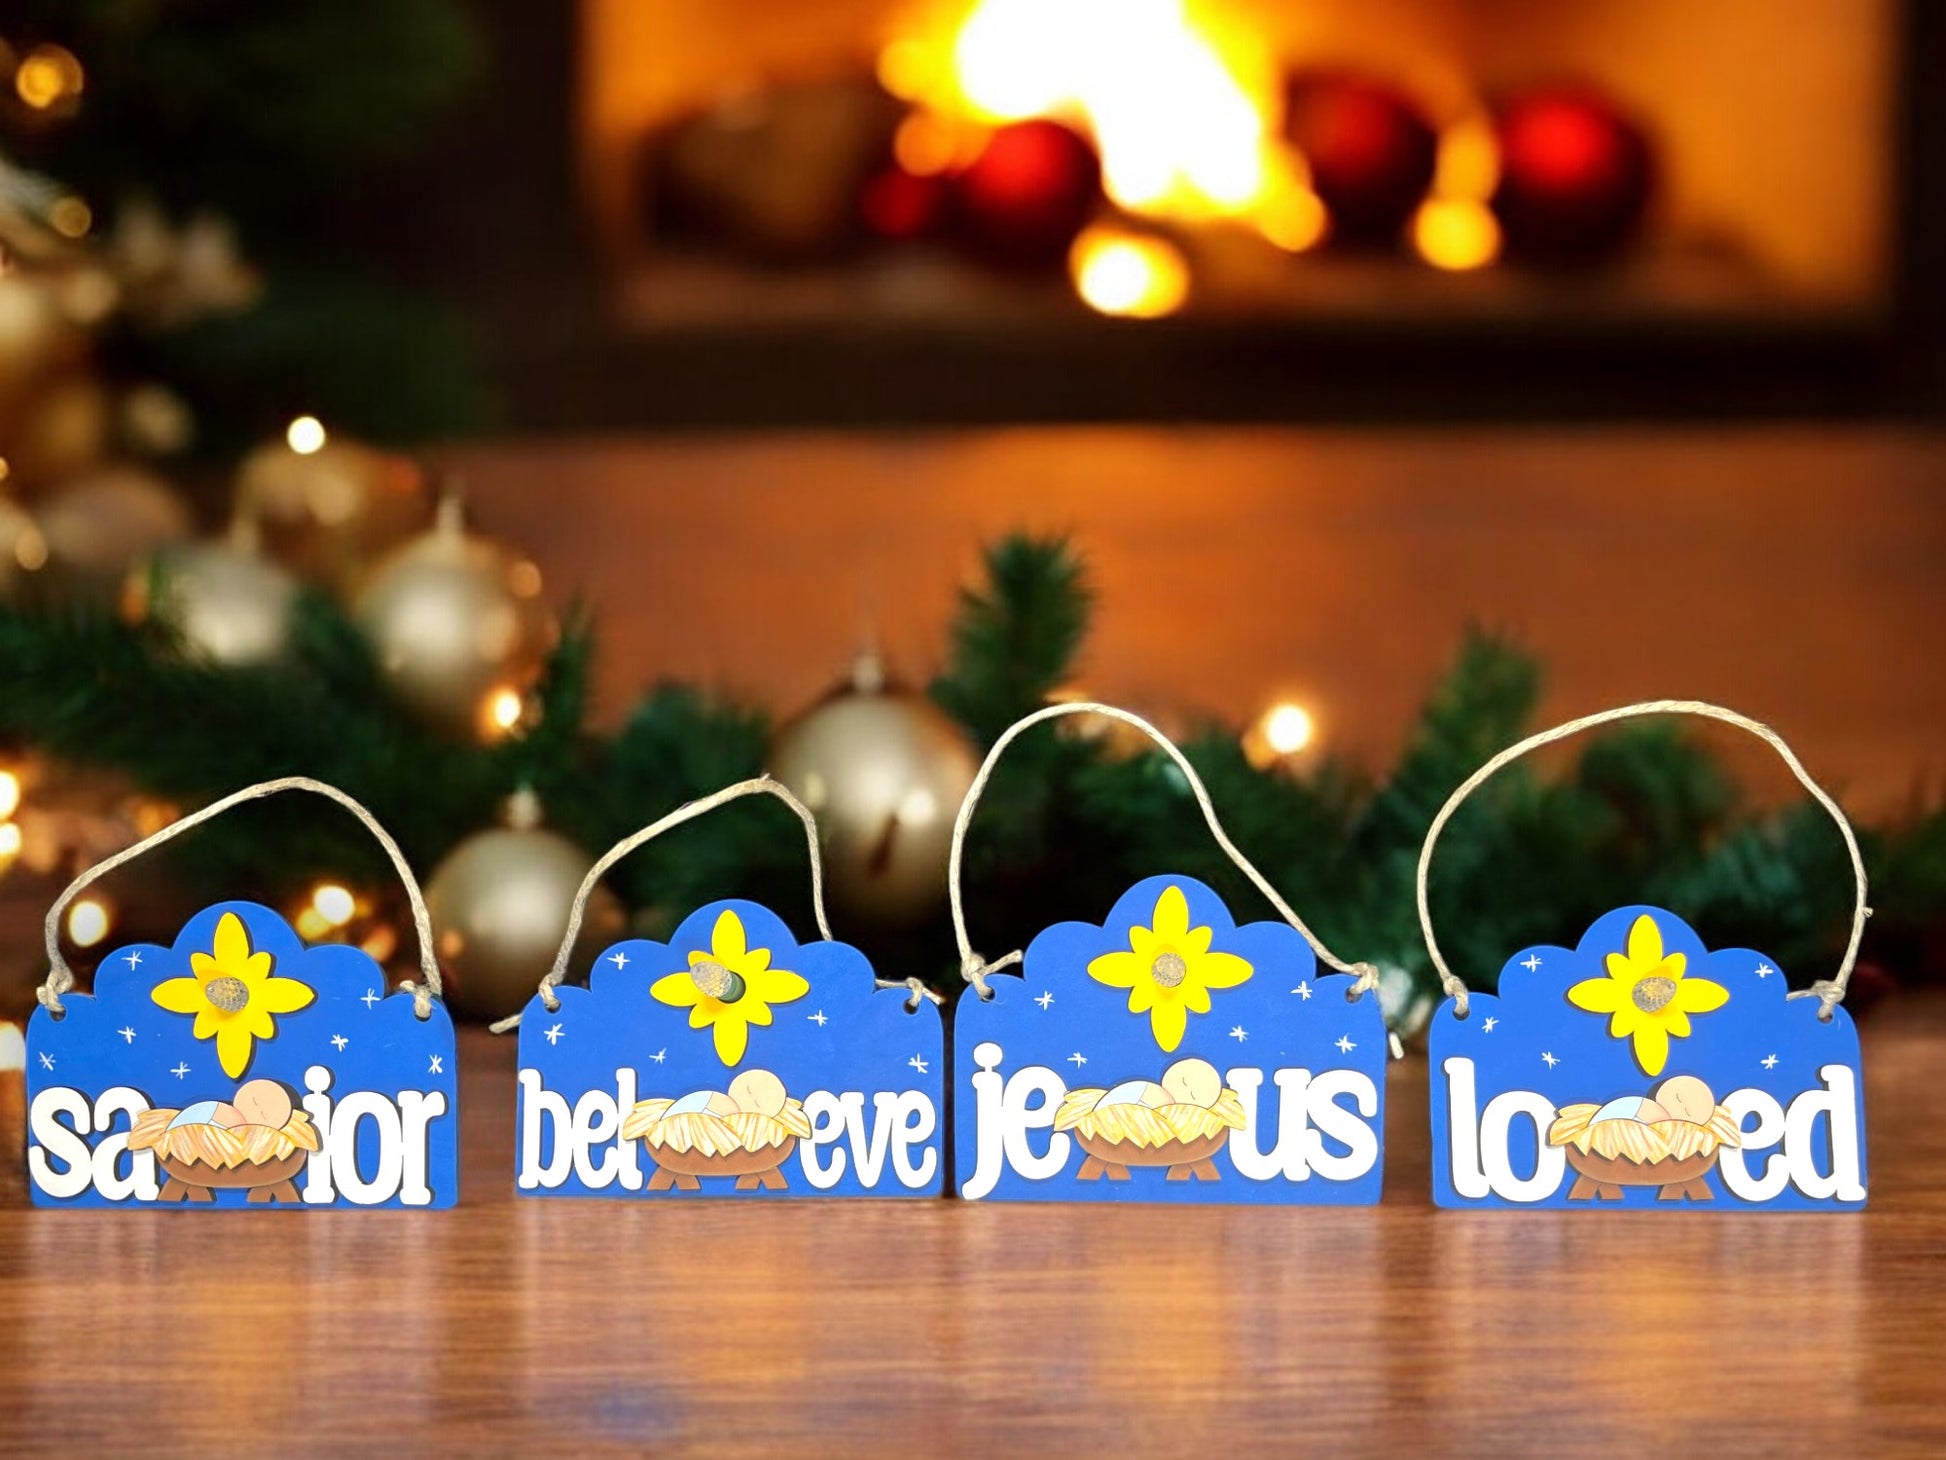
[50,993]
[1364,980]
[421,997]
[973,969]
[916,987]
[1827,991]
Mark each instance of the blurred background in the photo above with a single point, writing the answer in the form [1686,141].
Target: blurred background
[530,414]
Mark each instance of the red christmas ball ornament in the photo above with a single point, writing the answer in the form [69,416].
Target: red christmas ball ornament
[902,206]
[1371,152]
[1030,191]
[1575,175]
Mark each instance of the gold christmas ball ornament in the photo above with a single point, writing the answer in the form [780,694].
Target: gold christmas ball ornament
[36,334]
[500,903]
[228,602]
[458,625]
[23,550]
[94,529]
[63,430]
[885,770]
[329,507]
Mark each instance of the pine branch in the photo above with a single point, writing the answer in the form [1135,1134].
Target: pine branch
[1016,637]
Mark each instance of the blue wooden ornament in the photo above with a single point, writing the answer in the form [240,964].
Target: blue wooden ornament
[1169,1055]
[730,1061]
[662,1078]
[1642,1069]
[240,1067]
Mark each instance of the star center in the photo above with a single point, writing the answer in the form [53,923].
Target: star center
[228,993]
[1169,970]
[1653,994]
[717,981]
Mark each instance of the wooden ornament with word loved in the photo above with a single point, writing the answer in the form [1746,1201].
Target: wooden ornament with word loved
[1642,1069]
[1167,1054]
[241,1067]
[730,1061]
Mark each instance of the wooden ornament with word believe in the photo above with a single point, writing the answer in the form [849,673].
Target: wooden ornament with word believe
[731,1060]
[1167,1054]
[240,1066]
[1641,1068]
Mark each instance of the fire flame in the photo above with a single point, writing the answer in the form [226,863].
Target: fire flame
[1183,108]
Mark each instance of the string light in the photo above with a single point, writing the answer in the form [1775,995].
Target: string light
[305,435]
[10,840]
[47,75]
[330,908]
[502,712]
[334,904]
[1133,275]
[1279,733]
[9,794]
[1288,728]
[88,922]
[70,217]
[1456,235]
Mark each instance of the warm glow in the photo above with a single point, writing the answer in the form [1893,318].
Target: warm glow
[9,794]
[9,843]
[1294,219]
[928,144]
[1456,234]
[334,904]
[70,217]
[47,75]
[1469,161]
[504,707]
[1181,108]
[30,549]
[87,923]
[1129,274]
[1287,728]
[905,69]
[305,435]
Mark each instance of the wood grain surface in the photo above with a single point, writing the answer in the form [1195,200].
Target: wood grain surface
[940,1328]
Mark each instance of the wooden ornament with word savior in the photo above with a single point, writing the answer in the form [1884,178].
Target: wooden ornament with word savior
[1641,1068]
[1167,1054]
[730,1061]
[241,1067]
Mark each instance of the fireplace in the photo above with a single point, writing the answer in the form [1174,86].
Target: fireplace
[791,211]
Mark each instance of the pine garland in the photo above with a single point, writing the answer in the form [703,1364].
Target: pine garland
[1643,814]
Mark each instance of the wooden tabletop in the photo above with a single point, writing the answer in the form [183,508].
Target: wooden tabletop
[941,1328]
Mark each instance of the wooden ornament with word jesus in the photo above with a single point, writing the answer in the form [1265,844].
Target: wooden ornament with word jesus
[730,1061]
[1641,1068]
[240,1066]
[1167,1054]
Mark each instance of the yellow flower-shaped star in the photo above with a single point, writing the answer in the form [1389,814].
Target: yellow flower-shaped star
[232,995]
[729,988]
[1169,969]
[1646,996]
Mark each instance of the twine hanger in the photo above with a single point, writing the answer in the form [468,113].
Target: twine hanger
[689,811]
[974,968]
[1828,992]
[60,978]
